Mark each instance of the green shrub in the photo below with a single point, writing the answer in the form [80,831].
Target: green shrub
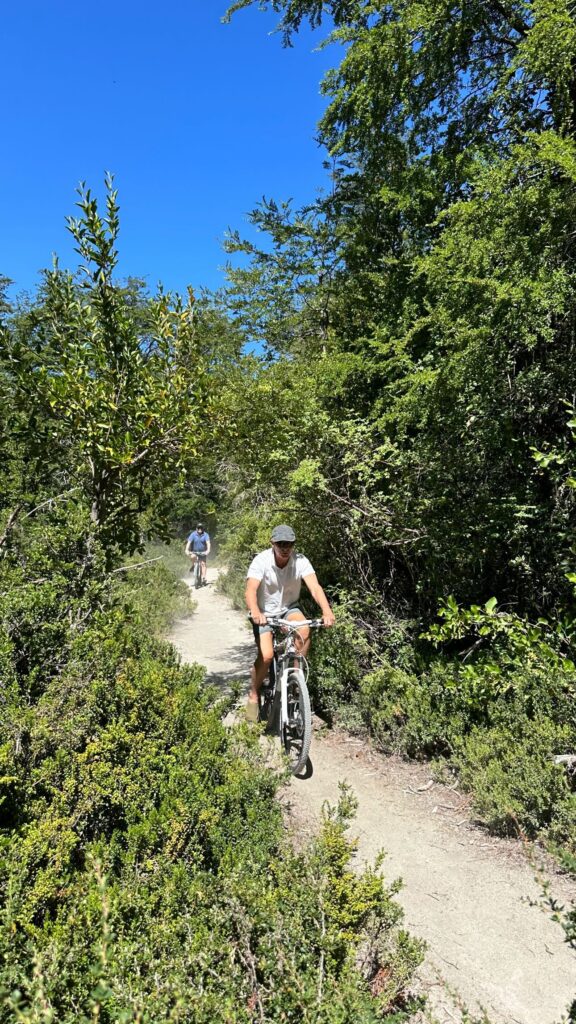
[151,878]
[497,721]
[515,784]
[415,715]
[336,659]
[150,587]
[297,937]
[144,870]
[171,553]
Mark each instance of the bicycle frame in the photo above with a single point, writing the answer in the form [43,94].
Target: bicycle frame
[285,663]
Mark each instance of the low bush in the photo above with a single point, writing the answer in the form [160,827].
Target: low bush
[498,719]
[410,714]
[155,593]
[145,874]
[337,656]
[341,657]
[171,555]
[147,877]
[517,788]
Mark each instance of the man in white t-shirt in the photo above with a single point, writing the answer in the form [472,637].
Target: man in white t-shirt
[273,584]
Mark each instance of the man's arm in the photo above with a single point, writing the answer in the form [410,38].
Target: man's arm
[251,596]
[207,552]
[320,598]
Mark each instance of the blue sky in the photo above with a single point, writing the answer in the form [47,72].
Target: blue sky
[196,119]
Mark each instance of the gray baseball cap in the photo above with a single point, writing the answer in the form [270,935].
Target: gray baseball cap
[283,533]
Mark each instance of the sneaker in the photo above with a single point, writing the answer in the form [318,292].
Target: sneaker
[251,711]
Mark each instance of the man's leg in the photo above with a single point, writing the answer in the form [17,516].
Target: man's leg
[260,668]
[303,635]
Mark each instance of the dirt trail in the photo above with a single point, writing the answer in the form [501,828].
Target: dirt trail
[469,896]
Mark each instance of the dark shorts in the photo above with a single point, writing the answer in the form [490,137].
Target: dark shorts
[201,555]
[259,630]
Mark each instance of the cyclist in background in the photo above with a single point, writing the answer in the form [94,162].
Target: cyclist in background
[198,549]
[273,584]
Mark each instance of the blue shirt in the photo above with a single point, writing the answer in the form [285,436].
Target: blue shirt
[198,541]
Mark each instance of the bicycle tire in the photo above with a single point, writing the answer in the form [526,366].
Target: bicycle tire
[268,705]
[297,731]
[198,575]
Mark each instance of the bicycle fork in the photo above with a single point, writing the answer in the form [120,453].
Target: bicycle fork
[295,666]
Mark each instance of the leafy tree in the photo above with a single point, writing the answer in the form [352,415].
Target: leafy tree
[106,381]
[442,259]
[424,311]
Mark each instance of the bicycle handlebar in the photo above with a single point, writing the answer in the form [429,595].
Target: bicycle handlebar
[275,620]
[293,624]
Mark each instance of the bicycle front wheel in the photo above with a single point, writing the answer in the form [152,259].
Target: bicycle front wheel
[198,575]
[297,729]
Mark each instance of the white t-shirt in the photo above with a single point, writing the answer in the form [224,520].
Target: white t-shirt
[278,588]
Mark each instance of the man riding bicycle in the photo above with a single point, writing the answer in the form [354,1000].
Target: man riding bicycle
[273,584]
[198,549]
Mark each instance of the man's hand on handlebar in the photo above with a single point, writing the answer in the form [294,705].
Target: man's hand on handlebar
[261,619]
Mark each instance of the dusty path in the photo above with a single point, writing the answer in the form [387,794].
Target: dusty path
[469,896]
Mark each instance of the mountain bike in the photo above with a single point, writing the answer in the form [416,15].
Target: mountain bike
[197,570]
[284,701]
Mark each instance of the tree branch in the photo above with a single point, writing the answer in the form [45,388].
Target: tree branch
[13,517]
[11,521]
[137,565]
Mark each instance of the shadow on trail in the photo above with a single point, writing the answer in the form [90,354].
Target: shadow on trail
[306,773]
[239,658]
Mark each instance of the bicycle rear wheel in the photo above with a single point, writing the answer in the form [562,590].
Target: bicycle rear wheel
[297,730]
[268,701]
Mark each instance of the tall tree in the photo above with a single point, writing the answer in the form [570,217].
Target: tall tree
[107,384]
[442,258]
